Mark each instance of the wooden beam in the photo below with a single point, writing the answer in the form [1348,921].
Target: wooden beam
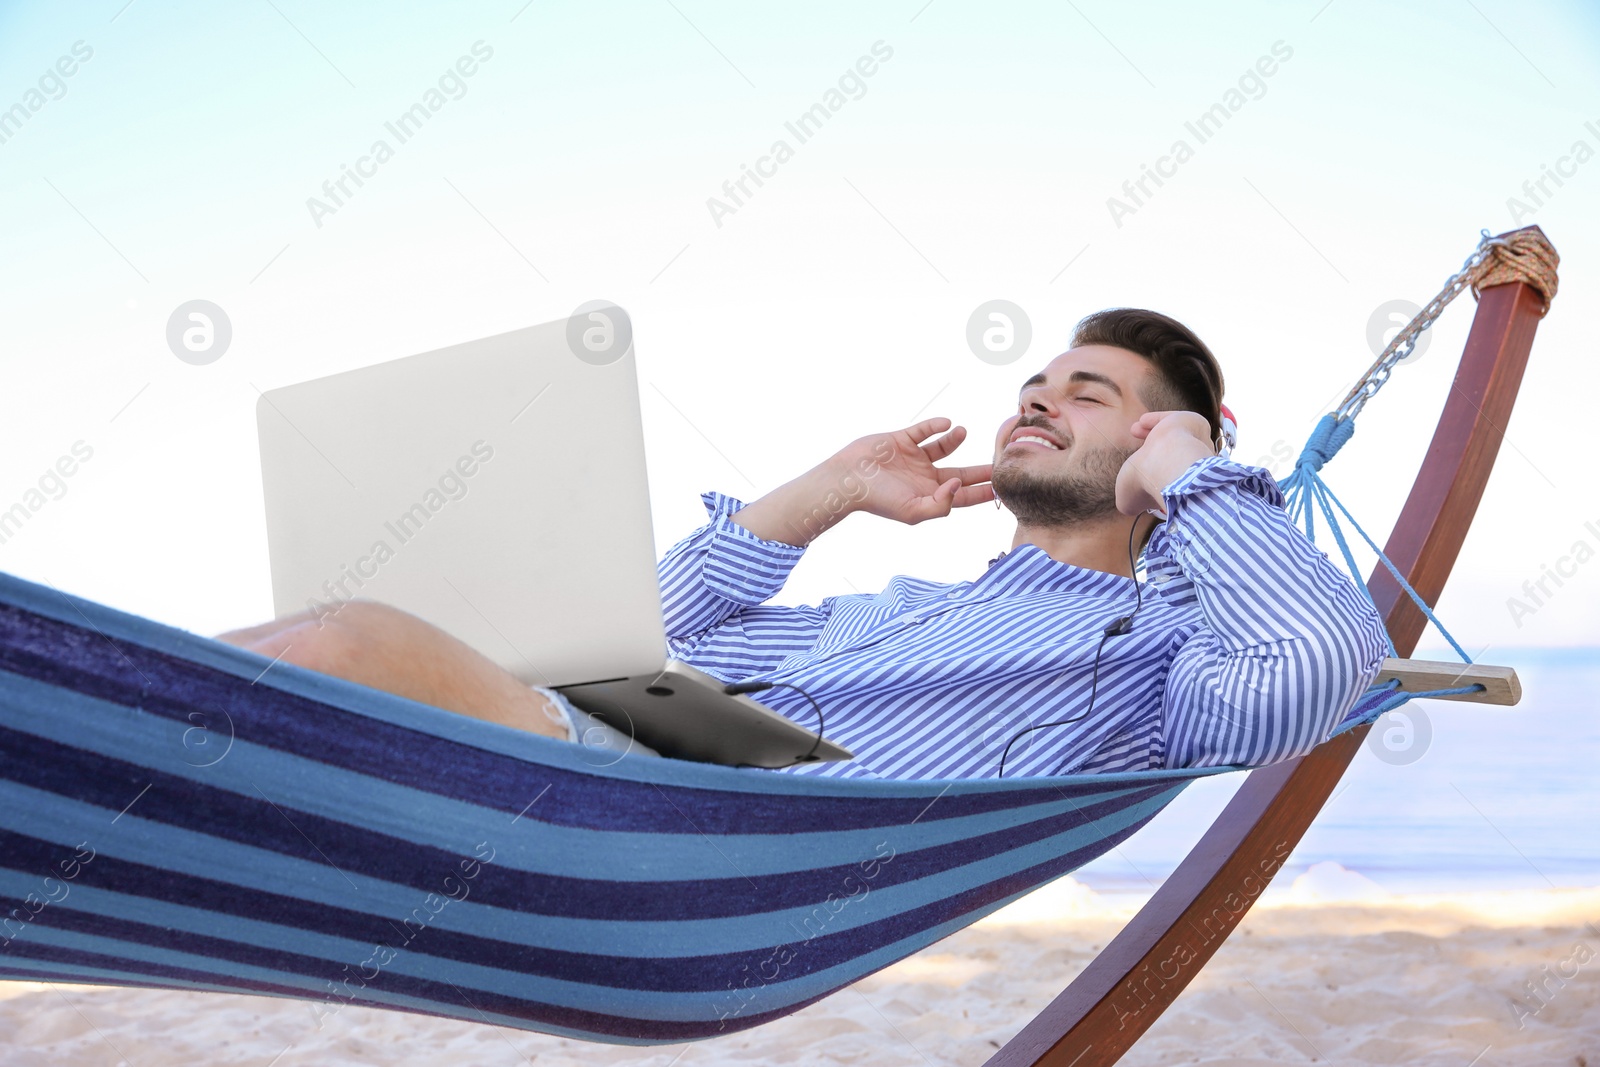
[1144,968]
[1500,684]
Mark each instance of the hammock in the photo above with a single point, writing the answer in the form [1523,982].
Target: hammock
[170,817]
[179,824]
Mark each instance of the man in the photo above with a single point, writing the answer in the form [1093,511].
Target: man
[1244,644]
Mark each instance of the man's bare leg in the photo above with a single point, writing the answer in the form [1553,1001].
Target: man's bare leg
[385,648]
[246,636]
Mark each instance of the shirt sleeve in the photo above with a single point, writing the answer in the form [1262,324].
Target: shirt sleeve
[714,588]
[1289,641]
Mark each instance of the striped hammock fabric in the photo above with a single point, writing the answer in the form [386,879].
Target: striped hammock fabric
[171,817]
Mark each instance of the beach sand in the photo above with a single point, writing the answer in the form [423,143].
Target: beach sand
[1328,970]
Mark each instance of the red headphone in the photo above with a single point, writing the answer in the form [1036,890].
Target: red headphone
[1230,432]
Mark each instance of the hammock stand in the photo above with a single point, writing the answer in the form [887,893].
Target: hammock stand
[179,813]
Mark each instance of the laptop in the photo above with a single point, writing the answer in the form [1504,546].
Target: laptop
[497,489]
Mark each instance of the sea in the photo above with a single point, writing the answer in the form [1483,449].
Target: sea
[1445,796]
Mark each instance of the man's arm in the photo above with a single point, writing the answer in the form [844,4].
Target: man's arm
[892,475]
[714,588]
[717,578]
[1290,642]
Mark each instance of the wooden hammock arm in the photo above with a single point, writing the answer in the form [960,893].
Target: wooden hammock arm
[1500,685]
[1142,971]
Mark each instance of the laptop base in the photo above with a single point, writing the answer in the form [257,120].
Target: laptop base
[684,713]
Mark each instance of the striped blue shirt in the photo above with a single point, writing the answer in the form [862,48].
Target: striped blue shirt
[1249,647]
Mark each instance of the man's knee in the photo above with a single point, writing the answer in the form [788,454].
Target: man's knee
[362,637]
[330,645]
[370,620]
[363,613]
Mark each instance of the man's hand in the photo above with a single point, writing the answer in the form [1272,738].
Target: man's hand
[893,475]
[905,484]
[1173,440]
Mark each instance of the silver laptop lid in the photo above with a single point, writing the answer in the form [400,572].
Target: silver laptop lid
[496,488]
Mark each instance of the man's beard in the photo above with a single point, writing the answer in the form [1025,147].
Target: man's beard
[1064,498]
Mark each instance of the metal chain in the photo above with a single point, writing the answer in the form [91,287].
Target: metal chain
[1377,375]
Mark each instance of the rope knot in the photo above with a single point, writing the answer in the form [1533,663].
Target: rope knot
[1325,442]
[1524,255]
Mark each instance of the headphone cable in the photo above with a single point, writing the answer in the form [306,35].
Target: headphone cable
[737,688]
[1117,627]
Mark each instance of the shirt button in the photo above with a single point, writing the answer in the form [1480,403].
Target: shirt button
[952,594]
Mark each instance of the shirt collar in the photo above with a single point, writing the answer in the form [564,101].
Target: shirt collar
[1029,568]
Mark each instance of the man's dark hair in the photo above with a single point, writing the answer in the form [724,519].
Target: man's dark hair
[1188,375]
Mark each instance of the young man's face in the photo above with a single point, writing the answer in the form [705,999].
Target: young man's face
[1083,404]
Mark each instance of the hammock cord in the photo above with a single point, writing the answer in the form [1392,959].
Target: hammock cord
[1324,494]
[1404,697]
[1305,487]
[1523,256]
[1398,697]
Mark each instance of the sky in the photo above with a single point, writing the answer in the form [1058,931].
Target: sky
[584,157]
